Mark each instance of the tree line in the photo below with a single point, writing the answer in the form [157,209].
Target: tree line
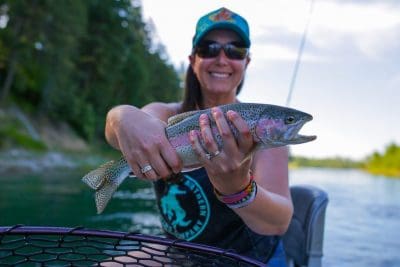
[387,163]
[74,60]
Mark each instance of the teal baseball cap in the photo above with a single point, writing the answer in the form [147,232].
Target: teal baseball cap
[222,18]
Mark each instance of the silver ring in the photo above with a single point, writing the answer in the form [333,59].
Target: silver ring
[209,156]
[146,168]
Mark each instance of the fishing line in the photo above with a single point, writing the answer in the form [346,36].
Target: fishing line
[299,54]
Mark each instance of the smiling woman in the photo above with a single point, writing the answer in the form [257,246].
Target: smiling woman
[343,47]
[253,207]
[218,72]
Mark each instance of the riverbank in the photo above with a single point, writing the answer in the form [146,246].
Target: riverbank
[386,164]
[25,161]
[37,144]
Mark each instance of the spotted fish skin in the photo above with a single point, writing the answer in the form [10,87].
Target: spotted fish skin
[106,179]
[270,126]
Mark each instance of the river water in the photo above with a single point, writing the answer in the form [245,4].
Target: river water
[363,216]
[362,219]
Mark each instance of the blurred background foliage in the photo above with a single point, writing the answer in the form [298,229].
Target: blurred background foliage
[73,60]
[387,163]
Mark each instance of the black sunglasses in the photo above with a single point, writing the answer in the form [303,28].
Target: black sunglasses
[212,49]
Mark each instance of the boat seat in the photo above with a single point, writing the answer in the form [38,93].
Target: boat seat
[303,242]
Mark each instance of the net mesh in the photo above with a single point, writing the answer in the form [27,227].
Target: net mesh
[59,246]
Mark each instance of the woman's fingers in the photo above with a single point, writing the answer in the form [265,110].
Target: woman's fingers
[141,166]
[218,144]
[136,169]
[197,147]
[224,130]
[229,143]
[153,159]
[172,160]
[230,168]
[151,168]
[160,162]
[244,138]
[208,135]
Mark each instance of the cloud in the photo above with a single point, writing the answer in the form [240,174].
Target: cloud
[355,18]
[277,26]
[364,25]
[272,52]
[333,24]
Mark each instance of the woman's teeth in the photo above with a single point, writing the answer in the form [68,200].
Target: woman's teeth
[219,75]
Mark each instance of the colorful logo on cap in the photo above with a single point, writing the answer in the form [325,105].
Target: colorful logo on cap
[222,15]
[222,18]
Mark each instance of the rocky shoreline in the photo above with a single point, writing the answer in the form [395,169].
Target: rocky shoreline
[60,146]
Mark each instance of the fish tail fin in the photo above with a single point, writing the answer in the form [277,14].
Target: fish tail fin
[96,178]
[103,196]
[105,180]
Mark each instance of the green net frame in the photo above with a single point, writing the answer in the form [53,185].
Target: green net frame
[61,246]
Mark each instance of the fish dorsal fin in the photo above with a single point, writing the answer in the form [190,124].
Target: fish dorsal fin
[180,117]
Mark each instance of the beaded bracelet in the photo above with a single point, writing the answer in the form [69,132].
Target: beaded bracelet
[240,199]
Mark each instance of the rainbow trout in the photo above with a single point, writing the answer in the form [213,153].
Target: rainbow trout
[270,125]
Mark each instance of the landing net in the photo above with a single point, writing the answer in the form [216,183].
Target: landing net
[60,246]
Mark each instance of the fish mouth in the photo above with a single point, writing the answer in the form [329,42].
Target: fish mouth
[299,139]
[295,138]
[292,136]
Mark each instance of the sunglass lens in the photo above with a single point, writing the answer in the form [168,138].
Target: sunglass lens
[234,52]
[208,50]
[211,50]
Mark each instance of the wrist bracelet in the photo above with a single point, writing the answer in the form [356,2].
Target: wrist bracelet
[240,199]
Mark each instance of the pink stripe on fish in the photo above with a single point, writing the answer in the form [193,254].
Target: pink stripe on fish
[180,140]
[183,139]
[269,126]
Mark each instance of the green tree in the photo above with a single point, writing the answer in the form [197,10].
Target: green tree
[74,60]
[387,163]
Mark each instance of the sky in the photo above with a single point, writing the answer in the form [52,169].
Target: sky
[349,74]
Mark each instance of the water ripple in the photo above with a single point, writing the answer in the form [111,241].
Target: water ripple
[144,193]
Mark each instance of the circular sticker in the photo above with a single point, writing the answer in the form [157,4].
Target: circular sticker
[185,210]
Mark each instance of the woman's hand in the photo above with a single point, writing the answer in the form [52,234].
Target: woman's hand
[270,212]
[229,170]
[142,140]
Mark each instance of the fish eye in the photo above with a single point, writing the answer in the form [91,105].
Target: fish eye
[290,119]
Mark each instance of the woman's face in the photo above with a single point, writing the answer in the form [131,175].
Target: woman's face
[219,75]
